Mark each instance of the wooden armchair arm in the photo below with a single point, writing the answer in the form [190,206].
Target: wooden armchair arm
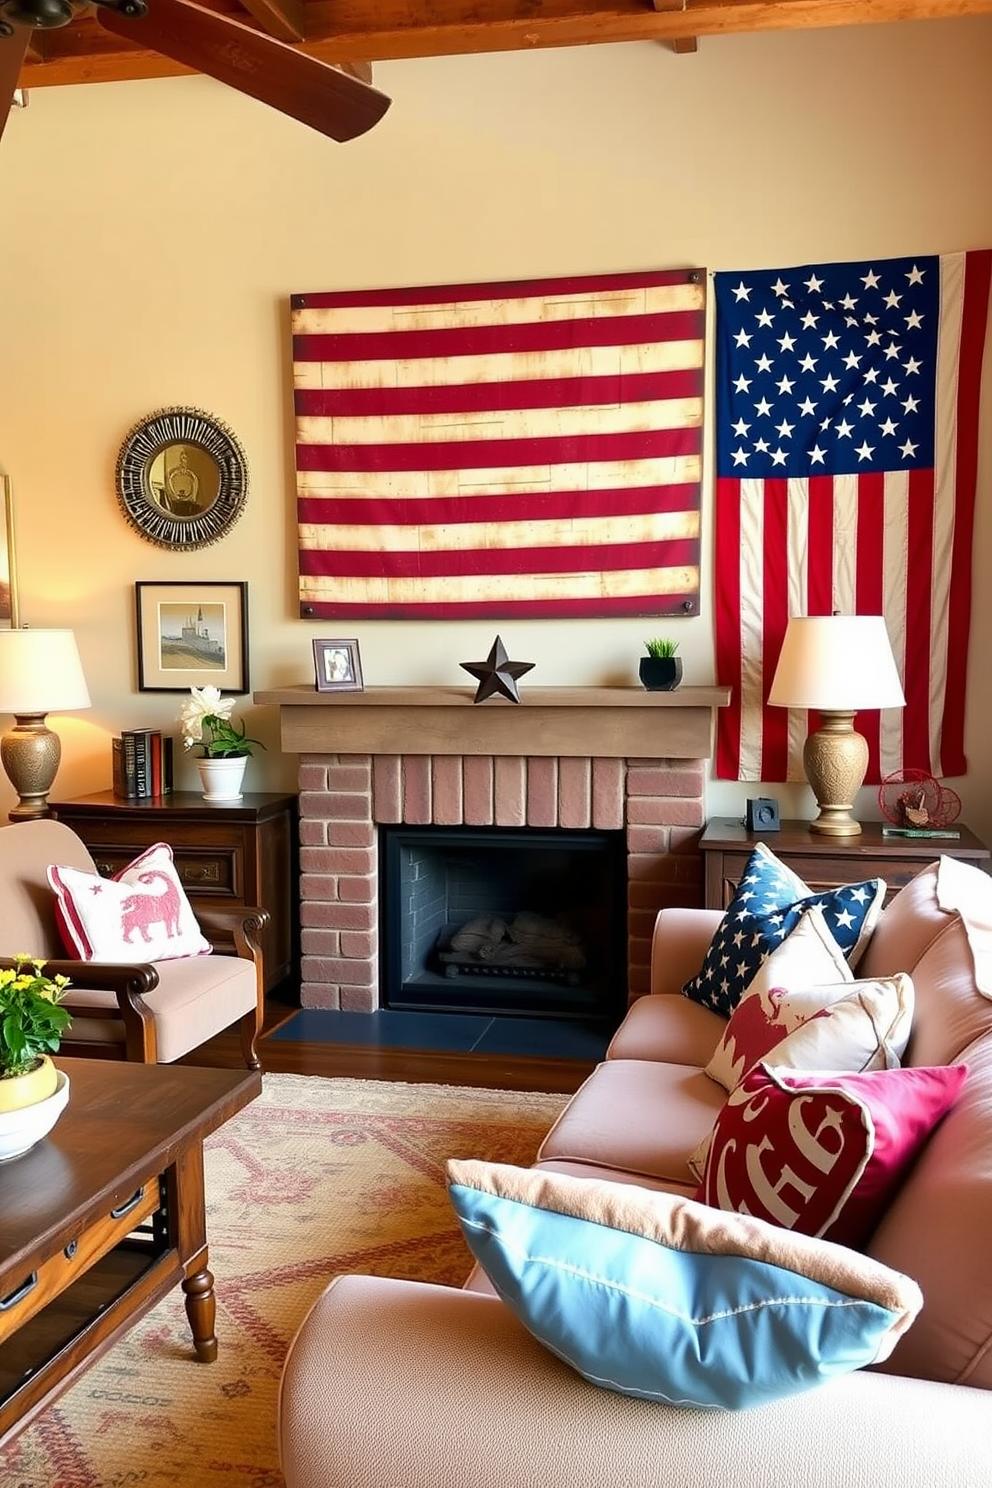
[128,983]
[238,929]
[106,976]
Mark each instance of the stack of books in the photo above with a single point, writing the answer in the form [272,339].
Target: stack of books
[142,764]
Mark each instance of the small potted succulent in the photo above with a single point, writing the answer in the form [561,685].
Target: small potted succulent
[207,724]
[661,669]
[33,1092]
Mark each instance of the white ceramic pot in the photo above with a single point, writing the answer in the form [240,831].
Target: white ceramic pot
[20,1130]
[222,778]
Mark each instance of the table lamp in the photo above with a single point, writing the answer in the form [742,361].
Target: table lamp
[40,672]
[836,664]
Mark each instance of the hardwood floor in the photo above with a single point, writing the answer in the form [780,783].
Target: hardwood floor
[487,1071]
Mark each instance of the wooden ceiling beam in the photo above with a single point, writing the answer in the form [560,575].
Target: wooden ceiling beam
[682,43]
[349,31]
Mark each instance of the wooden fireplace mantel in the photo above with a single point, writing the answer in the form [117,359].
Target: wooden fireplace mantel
[599,722]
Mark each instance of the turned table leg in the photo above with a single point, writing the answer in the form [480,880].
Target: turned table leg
[201,1309]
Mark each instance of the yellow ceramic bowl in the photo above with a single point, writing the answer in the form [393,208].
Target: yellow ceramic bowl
[26,1090]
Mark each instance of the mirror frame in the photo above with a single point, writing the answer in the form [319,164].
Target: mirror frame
[148,439]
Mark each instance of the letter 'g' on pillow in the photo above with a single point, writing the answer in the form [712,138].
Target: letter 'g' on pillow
[656,1296]
[823,1153]
[141,914]
[768,904]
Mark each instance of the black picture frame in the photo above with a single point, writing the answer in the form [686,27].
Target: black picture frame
[192,634]
[337,666]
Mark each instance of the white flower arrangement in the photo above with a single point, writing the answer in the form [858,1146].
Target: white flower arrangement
[206,722]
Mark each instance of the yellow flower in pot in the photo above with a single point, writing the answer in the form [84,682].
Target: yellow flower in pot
[32,1022]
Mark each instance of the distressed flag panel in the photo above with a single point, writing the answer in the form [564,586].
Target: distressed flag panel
[529,448]
[847,429]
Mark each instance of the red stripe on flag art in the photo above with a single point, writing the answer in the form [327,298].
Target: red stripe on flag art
[847,400]
[529,448]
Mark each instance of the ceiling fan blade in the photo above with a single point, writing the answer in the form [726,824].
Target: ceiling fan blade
[12,50]
[275,73]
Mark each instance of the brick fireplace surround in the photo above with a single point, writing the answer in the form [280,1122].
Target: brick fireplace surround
[609,758]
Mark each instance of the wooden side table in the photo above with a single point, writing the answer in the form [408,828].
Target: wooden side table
[240,853]
[824,862]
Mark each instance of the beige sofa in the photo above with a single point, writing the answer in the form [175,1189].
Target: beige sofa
[392,1384]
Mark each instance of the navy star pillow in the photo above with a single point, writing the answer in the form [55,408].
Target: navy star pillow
[768,904]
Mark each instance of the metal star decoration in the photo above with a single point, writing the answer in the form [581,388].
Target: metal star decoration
[497,674]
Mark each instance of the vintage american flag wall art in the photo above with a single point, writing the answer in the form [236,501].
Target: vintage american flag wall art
[529,448]
[847,446]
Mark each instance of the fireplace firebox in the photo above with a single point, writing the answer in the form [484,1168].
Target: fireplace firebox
[499,921]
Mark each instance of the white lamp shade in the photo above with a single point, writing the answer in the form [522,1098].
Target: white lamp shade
[837,664]
[40,672]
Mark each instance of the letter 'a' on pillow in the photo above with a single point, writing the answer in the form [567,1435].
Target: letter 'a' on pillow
[141,914]
[823,1153]
[768,904]
[656,1296]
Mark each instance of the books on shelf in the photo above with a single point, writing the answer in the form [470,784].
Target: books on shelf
[142,764]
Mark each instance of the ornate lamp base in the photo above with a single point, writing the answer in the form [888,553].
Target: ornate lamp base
[30,753]
[835,758]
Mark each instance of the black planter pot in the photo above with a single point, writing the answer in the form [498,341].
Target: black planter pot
[660,673]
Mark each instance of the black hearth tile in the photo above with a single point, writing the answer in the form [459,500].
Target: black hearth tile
[386,1029]
[543,1038]
[464,1033]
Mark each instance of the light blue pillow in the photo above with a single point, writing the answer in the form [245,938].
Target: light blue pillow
[666,1299]
[768,904]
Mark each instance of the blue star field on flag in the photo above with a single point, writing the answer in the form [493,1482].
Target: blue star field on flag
[768,904]
[828,369]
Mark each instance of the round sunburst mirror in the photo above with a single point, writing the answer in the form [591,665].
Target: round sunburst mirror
[182,478]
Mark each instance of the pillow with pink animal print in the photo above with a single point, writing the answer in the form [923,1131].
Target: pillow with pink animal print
[141,914]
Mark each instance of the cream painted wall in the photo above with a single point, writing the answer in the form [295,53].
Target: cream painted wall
[151,234]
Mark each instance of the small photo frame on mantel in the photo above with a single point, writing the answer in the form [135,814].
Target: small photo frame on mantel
[338,666]
[192,635]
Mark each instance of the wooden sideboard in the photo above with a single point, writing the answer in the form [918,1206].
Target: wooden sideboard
[236,852]
[824,862]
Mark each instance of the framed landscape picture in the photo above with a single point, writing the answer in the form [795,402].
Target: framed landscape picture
[192,635]
[9,616]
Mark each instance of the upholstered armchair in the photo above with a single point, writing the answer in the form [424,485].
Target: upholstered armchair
[151,1012]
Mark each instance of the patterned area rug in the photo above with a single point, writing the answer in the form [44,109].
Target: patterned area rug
[315,1177]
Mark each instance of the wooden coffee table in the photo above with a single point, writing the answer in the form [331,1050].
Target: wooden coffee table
[104,1217]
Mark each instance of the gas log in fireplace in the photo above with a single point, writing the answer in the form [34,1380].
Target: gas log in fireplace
[530,923]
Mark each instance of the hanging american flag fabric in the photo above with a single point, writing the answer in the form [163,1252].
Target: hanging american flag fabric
[527,448]
[847,428]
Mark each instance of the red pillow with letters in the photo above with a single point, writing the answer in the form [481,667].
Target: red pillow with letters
[821,1153]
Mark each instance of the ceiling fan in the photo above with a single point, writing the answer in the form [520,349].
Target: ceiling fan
[326,98]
